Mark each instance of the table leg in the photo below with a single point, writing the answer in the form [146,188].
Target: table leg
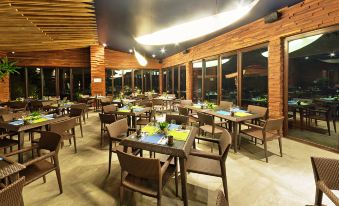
[235,134]
[183,176]
[301,119]
[125,149]
[21,139]
[134,122]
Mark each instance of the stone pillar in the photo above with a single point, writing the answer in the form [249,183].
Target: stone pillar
[97,58]
[276,77]
[160,81]
[189,80]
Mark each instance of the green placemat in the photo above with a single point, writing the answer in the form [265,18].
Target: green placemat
[179,135]
[150,129]
[242,114]
[124,110]
[39,120]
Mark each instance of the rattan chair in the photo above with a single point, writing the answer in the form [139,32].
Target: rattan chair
[186,102]
[179,119]
[271,130]
[83,107]
[145,119]
[45,163]
[105,119]
[261,111]
[109,109]
[326,114]
[116,132]
[18,106]
[77,114]
[11,195]
[221,199]
[66,129]
[212,164]
[208,125]
[6,141]
[326,176]
[225,105]
[147,176]
[158,104]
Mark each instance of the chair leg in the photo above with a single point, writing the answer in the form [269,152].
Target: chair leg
[265,148]
[109,156]
[318,197]
[159,200]
[176,175]
[280,147]
[101,135]
[328,128]
[44,178]
[57,171]
[121,195]
[224,179]
[81,128]
[75,144]
[335,126]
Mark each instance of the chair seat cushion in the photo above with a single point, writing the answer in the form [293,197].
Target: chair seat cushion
[36,170]
[208,128]
[147,186]
[203,165]
[257,133]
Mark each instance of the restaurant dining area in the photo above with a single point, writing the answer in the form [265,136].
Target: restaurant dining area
[194,103]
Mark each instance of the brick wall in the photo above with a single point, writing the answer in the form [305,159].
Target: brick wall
[306,16]
[4,85]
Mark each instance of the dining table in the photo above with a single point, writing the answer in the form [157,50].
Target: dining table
[300,107]
[121,102]
[235,115]
[132,113]
[20,127]
[153,140]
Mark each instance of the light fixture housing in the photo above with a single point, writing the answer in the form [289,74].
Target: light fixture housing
[141,59]
[196,28]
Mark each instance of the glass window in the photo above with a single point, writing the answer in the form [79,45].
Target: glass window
[175,81]
[34,82]
[87,77]
[137,80]
[313,88]
[169,81]
[108,81]
[210,81]
[49,81]
[229,78]
[182,88]
[64,83]
[18,85]
[128,82]
[147,81]
[77,82]
[117,81]
[155,80]
[254,82]
[164,80]
[197,81]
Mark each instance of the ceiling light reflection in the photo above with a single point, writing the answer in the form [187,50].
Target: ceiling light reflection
[212,63]
[196,28]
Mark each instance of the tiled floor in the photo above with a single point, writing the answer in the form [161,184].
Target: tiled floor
[283,181]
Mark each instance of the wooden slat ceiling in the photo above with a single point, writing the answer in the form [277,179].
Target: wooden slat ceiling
[40,25]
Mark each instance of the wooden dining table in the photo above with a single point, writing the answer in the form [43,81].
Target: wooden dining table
[180,149]
[239,116]
[19,127]
[132,114]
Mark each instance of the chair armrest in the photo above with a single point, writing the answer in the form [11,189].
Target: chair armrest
[220,123]
[166,164]
[207,139]
[38,159]
[205,155]
[253,125]
[27,149]
[321,185]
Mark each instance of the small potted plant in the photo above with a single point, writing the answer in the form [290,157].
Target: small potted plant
[163,127]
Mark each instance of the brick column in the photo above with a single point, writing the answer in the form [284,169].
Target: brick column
[160,81]
[276,77]
[189,80]
[4,85]
[98,70]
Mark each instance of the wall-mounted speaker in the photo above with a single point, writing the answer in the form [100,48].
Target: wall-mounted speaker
[272,17]
[186,51]
[160,61]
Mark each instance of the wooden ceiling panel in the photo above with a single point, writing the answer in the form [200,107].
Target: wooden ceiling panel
[40,25]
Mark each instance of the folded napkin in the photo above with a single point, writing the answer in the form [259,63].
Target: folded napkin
[154,139]
[180,135]
[150,129]
[173,126]
[17,122]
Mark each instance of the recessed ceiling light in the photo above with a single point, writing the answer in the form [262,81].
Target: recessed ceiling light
[13,52]
[307,58]
[332,54]
[130,50]
[153,55]
[163,50]
[104,44]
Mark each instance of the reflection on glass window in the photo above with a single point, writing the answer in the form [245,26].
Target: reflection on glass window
[128,82]
[169,81]
[109,78]
[254,82]
[49,81]
[17,84]
[155,80]
[197,81]
[64,83]
[34,82]
[175,81]
[229,78]
[138,80]
[117,82]
[313,88]
[164,80]
[77,82]
[147,81]
[210,81]
[182,88]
